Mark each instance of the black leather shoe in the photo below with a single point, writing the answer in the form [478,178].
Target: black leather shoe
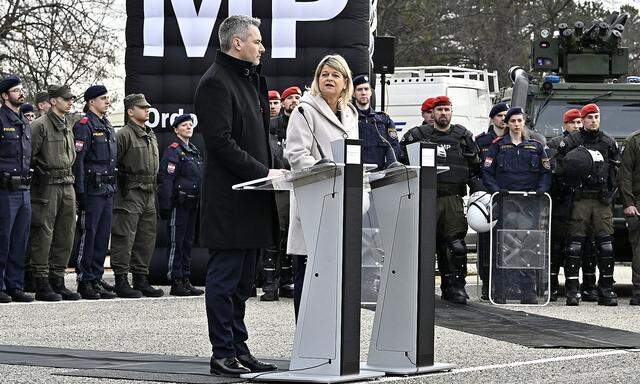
[635,300]
[4,297]
[19,296]
[256,365]
[106,286]
[228,366]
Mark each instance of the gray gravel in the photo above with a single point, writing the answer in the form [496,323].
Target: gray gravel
[177,326]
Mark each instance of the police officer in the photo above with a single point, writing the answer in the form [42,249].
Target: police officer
[457,150]
[52,198]
[427,111]
[179,180]
[42,103]
[630,189]
[133,234]
[587,161]
[277,264]
[15,177]
[94,171]
[377,131]
[28,112]
[515,162]
[496,129]
[274,103]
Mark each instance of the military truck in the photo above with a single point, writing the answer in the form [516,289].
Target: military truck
[574,66]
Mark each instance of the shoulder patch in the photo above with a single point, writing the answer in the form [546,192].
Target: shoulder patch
[174,145]
[84,120]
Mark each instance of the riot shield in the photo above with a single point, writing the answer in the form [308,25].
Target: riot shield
[520,249]
[372,257]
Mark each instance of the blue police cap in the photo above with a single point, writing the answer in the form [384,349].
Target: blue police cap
[360,79]
[9,82]
[500,107]
[26,107]
[94,91]
[181,119]
[513,111]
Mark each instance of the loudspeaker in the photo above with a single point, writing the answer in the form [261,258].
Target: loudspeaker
[384,54]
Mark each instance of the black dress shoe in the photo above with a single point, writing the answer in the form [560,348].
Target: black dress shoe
[256,365]
[228,366]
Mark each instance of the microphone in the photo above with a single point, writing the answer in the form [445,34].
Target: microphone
[395,163]
[323,159]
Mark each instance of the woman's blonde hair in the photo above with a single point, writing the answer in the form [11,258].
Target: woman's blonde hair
[338,63]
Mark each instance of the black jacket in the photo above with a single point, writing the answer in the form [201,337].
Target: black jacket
[233,116]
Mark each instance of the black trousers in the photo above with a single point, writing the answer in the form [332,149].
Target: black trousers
[299,268]
[230,277]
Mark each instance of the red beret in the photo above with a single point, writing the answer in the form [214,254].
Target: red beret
[589,108]
[291,91]
[571,115]
[274,95]
[441,100]
[427,105]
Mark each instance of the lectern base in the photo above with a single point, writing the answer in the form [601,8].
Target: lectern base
[436,367]
[312,378]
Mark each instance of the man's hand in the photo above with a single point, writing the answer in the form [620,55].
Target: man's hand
[631,211]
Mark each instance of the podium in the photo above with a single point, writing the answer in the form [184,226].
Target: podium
[402,340]
[329,198]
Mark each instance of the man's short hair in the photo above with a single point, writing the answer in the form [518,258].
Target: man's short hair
[236,25]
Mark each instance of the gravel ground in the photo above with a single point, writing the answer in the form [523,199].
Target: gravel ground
[177,326]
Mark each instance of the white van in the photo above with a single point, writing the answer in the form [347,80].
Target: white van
[471,92]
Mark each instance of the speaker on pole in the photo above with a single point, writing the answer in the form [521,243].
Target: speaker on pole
[384,54]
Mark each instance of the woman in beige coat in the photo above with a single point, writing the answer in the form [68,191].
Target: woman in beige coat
[331,117]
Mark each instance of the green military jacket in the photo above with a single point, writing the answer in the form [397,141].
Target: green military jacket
[53,150]
[138,158]
[630,170]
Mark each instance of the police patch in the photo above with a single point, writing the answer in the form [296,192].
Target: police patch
[171,168]
[79,145]
[546,163]
[488,161]
[393,134]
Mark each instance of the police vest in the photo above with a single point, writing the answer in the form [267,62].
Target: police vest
[452,151]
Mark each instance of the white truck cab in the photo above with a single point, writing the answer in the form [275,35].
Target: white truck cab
[471,92]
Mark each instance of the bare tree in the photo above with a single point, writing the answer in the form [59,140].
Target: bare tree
[58,41]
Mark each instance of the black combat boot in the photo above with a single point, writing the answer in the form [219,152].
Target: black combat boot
[141,283]
[553,294]
[18,295]
[57,284]
[270,287]
[588,288]
[178,288]
[106,286]
[606,295]
[572,292]
[86,291]
[286,276]
[445,282]
[4,297]
[104,293]
[29,282]
[44,291]
[123,289]
[457,293]
[194,291]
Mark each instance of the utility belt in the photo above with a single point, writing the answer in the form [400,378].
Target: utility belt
[187,199]
[124,179]
[43,176]
[582,195]
[99,179]
[142,179]
[14,182]
[444,190]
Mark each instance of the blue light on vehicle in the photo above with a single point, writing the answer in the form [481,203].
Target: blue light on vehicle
[552,79]
[633,79]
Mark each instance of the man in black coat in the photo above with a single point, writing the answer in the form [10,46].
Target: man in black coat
[233,111]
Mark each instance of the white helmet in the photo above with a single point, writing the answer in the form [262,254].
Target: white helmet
[478,212]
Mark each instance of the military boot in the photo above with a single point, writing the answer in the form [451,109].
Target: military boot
[445,282]
[553,293]
[104,293]
[178,288]
[86,291]
[44,291]
[457,293]
[141,283]
[270,287]
[4,298]
[106,286]
[194,291]
[606,295]
[286,276]
[635,300]
[29,282]
[572,292]
[123,289]
[588,288]
[57,284]
[18,295]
